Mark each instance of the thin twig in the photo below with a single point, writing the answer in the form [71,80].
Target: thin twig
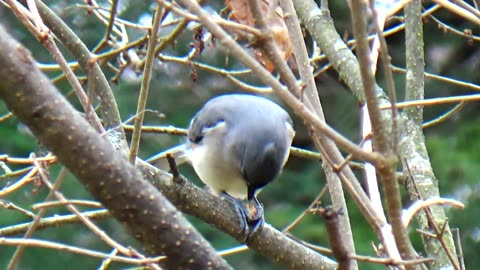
[296,221]
[33,226]
[444,116]
[422,204]
[380,138]
[459,11]
[142,99]
[279,89]
[108,31]
[434,101]
[54,221]
[63,203]
[41,32]
[433,224]
[386,63]
[21,242]
[440,78]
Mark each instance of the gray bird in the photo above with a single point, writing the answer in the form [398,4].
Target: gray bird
[237,144]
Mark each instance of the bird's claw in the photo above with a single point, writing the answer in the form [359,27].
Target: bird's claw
[250,216]
[254,211]
[254,220]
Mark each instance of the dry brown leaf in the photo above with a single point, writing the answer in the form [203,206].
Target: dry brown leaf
[240,12]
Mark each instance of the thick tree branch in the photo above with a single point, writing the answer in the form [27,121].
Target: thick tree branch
[320,25]
[109,108]
[415,60]
[344,62]
[118,186]
[150,218]
[219,213]
[442,251]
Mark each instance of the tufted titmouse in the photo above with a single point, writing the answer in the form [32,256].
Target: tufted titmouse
[237,144]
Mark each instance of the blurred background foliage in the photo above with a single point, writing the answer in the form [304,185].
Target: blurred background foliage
[454,145]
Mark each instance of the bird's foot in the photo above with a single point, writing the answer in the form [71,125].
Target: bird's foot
[250,214]
[254,218]
[254,211]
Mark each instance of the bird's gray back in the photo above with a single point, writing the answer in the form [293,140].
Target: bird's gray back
[256,141]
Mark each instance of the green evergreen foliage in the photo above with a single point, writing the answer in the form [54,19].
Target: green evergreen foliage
[454,146]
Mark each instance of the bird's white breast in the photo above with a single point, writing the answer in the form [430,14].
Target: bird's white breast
[216,170]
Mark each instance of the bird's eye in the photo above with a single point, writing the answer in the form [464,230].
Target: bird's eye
[198,129]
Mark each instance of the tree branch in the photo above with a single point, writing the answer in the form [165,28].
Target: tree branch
[322,142]
[87,61]
[107,174]
[381,140]
[219,213]
[421,171]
